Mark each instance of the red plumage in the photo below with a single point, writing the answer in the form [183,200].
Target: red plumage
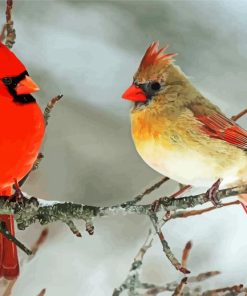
[22,130]
[154,55]
[220,127]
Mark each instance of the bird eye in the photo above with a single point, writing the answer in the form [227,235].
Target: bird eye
[155,85]
[7,80]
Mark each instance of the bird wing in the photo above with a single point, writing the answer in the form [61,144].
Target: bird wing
[218,126]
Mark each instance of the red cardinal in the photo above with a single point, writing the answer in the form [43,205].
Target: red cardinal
[178,131]
[22,130]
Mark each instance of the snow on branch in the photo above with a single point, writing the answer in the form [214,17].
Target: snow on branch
[28,210]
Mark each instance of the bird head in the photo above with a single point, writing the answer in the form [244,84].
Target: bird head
[14,78]
[149,82]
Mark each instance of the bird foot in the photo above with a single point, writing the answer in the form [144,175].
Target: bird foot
[211,194]
[156,205]
[18,196]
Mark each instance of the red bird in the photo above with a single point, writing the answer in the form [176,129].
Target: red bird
[22,130]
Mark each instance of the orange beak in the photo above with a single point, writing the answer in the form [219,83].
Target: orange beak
[135,94]
[26,86]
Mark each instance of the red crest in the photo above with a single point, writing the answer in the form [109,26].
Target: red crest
[154,55]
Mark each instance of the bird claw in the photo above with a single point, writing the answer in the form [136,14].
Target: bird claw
[18,195]
[211,194]
[156,205]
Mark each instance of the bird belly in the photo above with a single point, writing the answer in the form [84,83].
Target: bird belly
[188,166]
[21,133]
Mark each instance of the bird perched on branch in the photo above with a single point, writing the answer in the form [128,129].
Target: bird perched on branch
[22,130]
[180,133]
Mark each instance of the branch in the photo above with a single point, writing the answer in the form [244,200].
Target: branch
[9,236]
[50,106]
[32,209]
[236,289]
[132,281]
[42,292]
[8,32]
[179,289]
[186,253]
[239,115]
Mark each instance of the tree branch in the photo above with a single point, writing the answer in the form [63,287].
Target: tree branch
[8,32]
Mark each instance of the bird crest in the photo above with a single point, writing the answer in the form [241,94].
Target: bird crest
[154,60]
[154,55]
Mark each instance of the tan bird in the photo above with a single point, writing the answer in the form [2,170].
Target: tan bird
[180,133]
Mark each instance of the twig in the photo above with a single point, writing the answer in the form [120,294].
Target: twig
[132,282]
[236,288]
[47,113]
[185,214]
[38,161]
[9,236]
[73,228]
[34,249]
[239,115]
[42,292]
[147,244]
[149,190]
[10,31]
[186,253]
[50,106]
[202,276]
[10,285]
[181,191]
[166,249]
[40,241]
[2,35]
[180,287]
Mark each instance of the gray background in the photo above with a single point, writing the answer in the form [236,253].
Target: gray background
[89,51]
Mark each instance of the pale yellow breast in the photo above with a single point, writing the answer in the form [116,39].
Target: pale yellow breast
[181,152]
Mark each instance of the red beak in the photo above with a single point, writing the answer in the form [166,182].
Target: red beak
[135,94]
[26,86]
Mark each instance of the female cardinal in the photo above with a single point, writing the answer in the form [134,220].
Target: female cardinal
[180,133]
[22,130]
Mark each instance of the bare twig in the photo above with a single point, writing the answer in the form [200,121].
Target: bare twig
[2,35]
[149,190]
[147,244]
[166,249]
[10,31]
[38,161]
[40,241]
[239,115]
[235,288]
[50,106]
[10,285]
[185,214]
[179,290]
[132,282]
[9,236]
[73,228]
[186,253]
[181,191]
[42,292]
[202,276]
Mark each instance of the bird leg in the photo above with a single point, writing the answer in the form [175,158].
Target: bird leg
[211,194]
[18,195]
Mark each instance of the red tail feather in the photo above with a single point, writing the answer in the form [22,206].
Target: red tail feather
[9,265]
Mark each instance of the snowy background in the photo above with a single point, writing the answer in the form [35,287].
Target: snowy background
[89,51]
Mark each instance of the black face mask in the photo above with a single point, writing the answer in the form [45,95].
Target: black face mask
[11,83]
